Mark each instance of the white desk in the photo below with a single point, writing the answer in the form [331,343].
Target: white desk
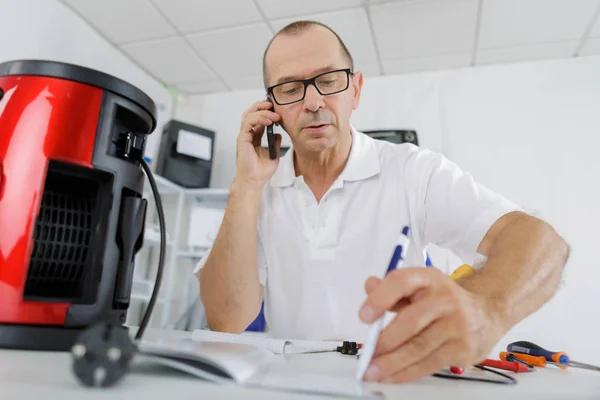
[48,376]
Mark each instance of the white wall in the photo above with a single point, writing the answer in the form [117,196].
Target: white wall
[47,29]
[529,131]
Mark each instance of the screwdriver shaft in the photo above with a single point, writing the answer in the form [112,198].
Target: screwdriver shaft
[577,364]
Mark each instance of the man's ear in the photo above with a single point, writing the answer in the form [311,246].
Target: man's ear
[357,82]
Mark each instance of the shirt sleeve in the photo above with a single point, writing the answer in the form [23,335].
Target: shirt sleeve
[453,211]
[262,264]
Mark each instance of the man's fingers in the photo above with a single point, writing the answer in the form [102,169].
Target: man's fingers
[398,284]
[411,320]
[259,105]
[434,362]
[265,117]
[412,352]
[400,305]
[371,284]
[253,126]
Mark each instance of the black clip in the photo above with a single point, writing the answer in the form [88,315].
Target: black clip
[349,348]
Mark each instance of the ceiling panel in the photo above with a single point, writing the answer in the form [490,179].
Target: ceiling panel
[243,83]
[353,27]
[592,47]
[286,8]
[411,35]
[371,69]
[527,53]
[424,28]
[203,87]
[523,22]
[171,60]
[123,21]
[194,15]
[446,61]
[234,52]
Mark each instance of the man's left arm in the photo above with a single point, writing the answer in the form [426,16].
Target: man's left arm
[441,322]
[525,260]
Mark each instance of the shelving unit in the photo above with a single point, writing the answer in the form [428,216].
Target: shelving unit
[180,258]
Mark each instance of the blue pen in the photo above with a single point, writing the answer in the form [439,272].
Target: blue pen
[400,250]
[368,348]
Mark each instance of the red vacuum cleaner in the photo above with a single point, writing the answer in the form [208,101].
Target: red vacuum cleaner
[72,210]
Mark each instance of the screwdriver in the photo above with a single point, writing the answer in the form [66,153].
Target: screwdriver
[507,365]
[513,357]
[536,361]
[560,358]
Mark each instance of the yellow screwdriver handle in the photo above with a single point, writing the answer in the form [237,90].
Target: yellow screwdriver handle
[463,271]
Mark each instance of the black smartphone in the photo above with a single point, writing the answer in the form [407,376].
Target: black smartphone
[271,140]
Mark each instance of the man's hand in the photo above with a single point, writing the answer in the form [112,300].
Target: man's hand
[254,167]
[438,324]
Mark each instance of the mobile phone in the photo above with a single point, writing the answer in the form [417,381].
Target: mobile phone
[271,140]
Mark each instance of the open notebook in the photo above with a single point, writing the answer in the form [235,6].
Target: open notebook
[275,346]
[255,366]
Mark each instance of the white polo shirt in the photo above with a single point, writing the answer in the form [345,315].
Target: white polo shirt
[314,258]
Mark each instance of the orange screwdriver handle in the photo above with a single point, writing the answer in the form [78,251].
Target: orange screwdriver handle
[535,361]
[559,357]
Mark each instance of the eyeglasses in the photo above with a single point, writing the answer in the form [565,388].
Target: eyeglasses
[327,83]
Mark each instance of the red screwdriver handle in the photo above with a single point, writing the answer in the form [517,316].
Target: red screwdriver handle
[506,365]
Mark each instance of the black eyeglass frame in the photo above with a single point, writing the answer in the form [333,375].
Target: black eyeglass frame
[312,81]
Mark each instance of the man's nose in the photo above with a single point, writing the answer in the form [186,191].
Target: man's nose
[313,100]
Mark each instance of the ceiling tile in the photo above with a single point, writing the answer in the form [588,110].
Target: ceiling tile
[123,21]
[369,70]
[193,15]
[171,60]
[527,53]
[418,29]
[203,87]
[353,27]
[595,32]
[523,22]
[234,52]
[244,83]
[287,8]
[592,47]
[446,61]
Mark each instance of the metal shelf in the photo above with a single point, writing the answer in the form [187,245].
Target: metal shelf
[209,194]
[142,290]
[192,253]
[179,198]
[152,237]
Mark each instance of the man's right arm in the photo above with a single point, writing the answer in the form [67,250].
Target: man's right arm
[229,284]
[230,288]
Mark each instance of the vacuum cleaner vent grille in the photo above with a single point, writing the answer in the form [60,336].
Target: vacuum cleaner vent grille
[61,260]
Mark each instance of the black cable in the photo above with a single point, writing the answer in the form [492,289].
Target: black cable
[509,380]
[161,256]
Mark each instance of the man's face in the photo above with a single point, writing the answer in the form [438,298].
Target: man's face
[317,122]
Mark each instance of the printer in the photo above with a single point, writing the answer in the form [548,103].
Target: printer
[186,154]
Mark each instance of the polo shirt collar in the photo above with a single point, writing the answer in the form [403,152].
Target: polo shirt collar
[363,162]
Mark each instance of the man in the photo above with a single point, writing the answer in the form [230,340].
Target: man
[310,232]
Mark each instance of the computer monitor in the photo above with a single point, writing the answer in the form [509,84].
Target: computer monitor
[395,135]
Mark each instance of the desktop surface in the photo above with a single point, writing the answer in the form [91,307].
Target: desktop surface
[48,375]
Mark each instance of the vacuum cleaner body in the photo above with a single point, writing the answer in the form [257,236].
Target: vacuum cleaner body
[71,200]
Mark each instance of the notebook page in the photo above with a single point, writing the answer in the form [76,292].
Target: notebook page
[219,361]
[276,346]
